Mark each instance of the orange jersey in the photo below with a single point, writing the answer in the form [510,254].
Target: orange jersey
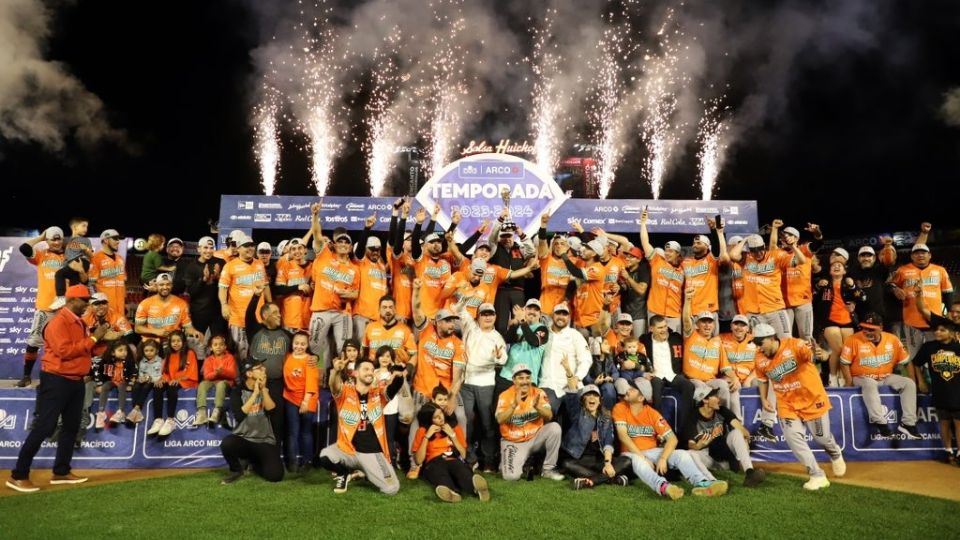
[838,308]
[118,323]
[351,417]
[47,264]
[704,359]
[401,272]
[108,274]
[741,355]
[331,275]
[294,306]
[224,254]
[440,444]
[525,421]
[436,358]
[188,376]
[744,305]
[761,281]
[300,379]
[875,361]
[796,381]
[704,276]
[588,301]
[935,282]
[241,279]
[613,266]
[434,275]
[399,335]
[646,429]
[666,287]
[796,287]
[160,316]
[459,287]
[554,278]
[373,286]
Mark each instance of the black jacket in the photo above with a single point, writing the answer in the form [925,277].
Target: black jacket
[676,349]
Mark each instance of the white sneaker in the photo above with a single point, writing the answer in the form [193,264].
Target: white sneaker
[201,417]
[816,483]
[155,427]
[58,303]
[101,420]
[833,381]
[168,427]
[552,475]
[118,417]
[839,466]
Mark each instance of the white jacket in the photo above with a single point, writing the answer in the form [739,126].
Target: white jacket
[479,347]
[567,342]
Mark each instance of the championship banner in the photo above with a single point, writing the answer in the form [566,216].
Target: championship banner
[18,296]
[128,446]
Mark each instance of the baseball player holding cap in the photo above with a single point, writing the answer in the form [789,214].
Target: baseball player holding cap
[47,261]
[802,402]
[524,414]
[666,283]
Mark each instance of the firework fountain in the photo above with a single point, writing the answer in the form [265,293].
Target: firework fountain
[383,121]
[267,137]
[713,145]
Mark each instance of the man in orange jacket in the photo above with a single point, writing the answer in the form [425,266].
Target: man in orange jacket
[66,360]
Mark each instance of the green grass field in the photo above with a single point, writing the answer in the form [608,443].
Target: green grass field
[197,506]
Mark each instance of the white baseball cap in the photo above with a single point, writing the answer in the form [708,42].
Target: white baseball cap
[842,252]
[52,233]
[264,247]
[866,249]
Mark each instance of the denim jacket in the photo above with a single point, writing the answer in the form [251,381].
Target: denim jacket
[577,436]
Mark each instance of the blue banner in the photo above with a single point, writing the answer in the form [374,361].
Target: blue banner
[251,212]
[128,446]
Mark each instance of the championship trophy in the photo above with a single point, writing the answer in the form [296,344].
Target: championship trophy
[505,197]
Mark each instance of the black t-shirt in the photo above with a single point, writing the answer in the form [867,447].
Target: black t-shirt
[698,426]
[632,302]
[944,362]
[365,438]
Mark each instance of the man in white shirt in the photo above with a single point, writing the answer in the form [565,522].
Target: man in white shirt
[665,351]
[564,342]
[486,352]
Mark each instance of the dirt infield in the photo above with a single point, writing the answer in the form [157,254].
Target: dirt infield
[919,477]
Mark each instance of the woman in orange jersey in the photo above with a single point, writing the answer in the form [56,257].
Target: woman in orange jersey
[179,371]
[440,446]
[835,302]
[301,386]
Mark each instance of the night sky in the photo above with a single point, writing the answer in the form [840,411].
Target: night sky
[860,145]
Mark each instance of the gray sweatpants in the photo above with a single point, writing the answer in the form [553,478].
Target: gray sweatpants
[777,319]
[914,338]
[513,455]
[736,444]
[40,320]
[803,316]
[871,397]
[795,433]
[359,327]
[378,470]
[321,325]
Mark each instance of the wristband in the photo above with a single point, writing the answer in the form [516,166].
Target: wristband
[542,233]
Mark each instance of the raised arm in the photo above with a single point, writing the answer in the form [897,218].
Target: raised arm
[543,247]
[419,319]
[687,316]
[645,235]
[774,232]
[315,229]
[416,248]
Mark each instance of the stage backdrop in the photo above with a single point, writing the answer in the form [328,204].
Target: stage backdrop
[18,294]
[128,447]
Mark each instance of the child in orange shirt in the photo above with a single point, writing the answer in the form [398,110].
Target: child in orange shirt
[179,371]
[301,386]
[220,372]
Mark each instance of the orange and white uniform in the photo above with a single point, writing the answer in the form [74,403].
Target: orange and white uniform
[47,264]
[373,286]
[741,355]
[241,279]
[762,281]
[935,282]
[436,358]
[525,422]
[434,274]
[646,429]
[107,273]
[396,337]
[163,316]
[401,271]
[796,381]
[554,278]
[704,359]
[475,294]
[588,301]
[295,306]
[874,361]
[704,276]
[331,275]
[666,286]
[301,379]
[797,287]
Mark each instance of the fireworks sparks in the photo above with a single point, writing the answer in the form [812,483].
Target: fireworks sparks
[607,114]
[713,146]
[383,124]
[267,149]
[547,99]
[445,72]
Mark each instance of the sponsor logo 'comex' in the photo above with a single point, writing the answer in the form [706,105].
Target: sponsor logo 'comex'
[354,207]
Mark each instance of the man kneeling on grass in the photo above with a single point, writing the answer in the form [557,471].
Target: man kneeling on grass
[639,428]
[361,430]
[524,414]
[253,440]
[439,448]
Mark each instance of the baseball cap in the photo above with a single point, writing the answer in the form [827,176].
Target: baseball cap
[373,242]
[791,231]
[53,233]
[206,241]
[704,315]
[78,291]
[561,307]
[636,252]
[589,389]
[866,249]
[872,321]
[282,246]
[533,302]
[98,297]
[734,240]
[702,238]
[509,227]
[340,236]
[486,308]
[432,237]
[920,247]
[244,240]
[294,242]
[641,384]
[445,314]
[481,244]
[520,368]
[842,252]
[163,277]
[175,240]
[740,319]
[755,241]
[236,234]
[264,247]
[109,233]
[673,244]
[252,363]
[575,243]
[478,266]
[625,317]
[596,245]
[703,392]
[763,331]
